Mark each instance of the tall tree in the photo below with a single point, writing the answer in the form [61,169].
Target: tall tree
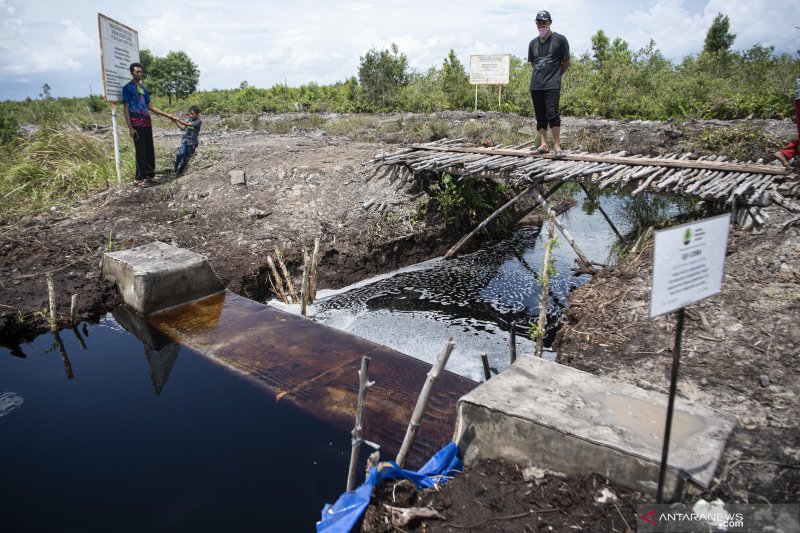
[455,82]
[382,74]
[175,75]
[600,44]
[719,38]
[146,58]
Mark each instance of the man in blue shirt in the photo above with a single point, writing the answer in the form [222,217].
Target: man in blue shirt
[137,115]
[548,54]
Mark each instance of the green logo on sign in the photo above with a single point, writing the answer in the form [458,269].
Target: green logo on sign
[687,236]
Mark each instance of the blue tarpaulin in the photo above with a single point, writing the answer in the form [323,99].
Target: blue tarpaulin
[343,515]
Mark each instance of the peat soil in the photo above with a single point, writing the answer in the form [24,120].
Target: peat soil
[740,348]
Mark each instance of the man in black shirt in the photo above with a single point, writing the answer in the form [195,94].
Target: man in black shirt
[548,54]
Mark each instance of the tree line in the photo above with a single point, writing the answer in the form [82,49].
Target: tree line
[610,81]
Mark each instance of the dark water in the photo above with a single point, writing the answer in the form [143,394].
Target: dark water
[138,440]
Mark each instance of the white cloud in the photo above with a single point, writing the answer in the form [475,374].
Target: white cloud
[66,50]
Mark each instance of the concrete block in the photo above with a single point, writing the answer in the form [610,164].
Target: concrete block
[542,413]
[238,177]
[157,276]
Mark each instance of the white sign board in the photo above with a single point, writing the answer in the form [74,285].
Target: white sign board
[119,47]
[489,69]
[687,263]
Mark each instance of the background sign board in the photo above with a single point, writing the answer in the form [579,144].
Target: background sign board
[489,69]
[687,263]
[119,47]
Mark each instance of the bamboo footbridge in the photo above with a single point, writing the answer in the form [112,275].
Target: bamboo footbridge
[744,187]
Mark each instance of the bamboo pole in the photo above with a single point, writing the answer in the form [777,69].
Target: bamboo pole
[487,374]
[483,224]
[314,262]
[639,161]
[422,401]
[602,212]
[512,343]
[280,291]
[358,429]
[305,296]
[73,310]
[286,276]
[544,296]
[51,294]
[581,258]
[530,209]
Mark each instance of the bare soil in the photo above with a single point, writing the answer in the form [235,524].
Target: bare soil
[740,348]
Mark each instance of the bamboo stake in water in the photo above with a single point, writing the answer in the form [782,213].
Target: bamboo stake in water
[512,343]
[314,262]
[358,429]
[487,374]
[581,258]
[548,254]
[422,401]
[305,296]
[51,293]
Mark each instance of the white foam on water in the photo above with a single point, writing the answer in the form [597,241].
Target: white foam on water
[423,334]
[382,309]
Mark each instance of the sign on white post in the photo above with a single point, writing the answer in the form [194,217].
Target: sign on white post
[687,263]
[119,47]
[489,69]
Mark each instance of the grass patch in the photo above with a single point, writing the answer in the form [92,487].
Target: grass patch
[57,165]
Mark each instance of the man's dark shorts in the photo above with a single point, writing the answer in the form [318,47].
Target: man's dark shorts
[545,105]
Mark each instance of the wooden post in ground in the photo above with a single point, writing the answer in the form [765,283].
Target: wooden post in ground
[286,277]
[581,258]
[278,284]
[73,310]
[487,374]
[512,343]
[483,224]
[305,295]
[422,401]
[51,294]
[358,429]
[544,297]
[314,261]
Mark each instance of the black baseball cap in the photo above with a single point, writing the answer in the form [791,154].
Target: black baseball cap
[543,15]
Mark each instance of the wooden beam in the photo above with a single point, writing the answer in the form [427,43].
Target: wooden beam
[639,161]
[483,224]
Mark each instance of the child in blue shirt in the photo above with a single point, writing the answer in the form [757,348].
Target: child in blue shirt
[191,138]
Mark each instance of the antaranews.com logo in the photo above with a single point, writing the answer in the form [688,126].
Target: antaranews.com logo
[718,516]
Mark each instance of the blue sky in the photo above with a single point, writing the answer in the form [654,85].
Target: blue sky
[269,42]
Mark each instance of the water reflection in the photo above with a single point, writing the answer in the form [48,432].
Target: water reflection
[161,353]
[84,445]
[63,351]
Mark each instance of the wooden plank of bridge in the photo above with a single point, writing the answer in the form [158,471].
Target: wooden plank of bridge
[639,161]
